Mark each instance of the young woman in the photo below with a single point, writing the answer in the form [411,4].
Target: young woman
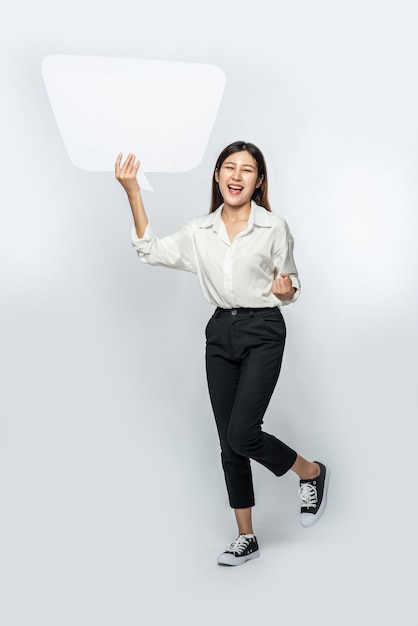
[243,256]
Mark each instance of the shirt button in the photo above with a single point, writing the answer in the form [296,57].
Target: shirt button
[234,312]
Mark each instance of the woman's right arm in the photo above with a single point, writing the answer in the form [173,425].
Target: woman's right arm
[126,174]
[175,250]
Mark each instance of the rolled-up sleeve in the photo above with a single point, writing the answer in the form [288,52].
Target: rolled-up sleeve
[285,264]
[175,251]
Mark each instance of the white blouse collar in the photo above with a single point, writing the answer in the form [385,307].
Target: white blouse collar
[259,216]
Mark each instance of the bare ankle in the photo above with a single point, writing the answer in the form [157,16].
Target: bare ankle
[306,470]
[312,472]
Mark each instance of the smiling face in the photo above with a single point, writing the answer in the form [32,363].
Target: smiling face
[238,178]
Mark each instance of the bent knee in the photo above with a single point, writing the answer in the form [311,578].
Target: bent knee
[242,441]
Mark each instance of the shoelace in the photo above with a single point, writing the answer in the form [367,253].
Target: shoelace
[308,495]
[238,545]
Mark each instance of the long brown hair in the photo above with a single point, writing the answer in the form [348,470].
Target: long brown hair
[260,195]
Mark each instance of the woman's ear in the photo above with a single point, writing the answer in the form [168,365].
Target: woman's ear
[259,182]
[217,175]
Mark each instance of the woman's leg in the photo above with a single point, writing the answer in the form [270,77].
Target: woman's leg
[258,377]
[223,379]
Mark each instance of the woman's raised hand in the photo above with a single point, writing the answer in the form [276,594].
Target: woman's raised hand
[283,288]
[126,173]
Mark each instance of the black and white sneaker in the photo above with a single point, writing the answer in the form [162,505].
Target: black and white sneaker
[313,497]
[244,548]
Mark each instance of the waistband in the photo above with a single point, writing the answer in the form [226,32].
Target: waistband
[242,311]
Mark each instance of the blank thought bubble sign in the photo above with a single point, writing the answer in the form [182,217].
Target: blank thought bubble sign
[163,111]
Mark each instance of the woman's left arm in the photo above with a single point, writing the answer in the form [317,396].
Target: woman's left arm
[283,288]
[286,285]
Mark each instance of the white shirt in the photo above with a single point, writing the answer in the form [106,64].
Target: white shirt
[231,275]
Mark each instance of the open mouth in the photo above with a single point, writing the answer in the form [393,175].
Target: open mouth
[235,189]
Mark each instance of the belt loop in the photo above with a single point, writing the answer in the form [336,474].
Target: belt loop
[217,311]
[251,313]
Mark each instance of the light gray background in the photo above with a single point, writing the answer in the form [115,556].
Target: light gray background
[113,506]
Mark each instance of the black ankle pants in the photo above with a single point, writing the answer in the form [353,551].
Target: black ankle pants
[244,350]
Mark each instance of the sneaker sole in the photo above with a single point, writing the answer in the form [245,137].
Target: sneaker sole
[230,559]
[307,520]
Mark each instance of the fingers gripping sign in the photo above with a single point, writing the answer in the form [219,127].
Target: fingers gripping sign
[126,172]
[283,288]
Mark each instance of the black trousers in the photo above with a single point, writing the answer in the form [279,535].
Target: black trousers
[244,350]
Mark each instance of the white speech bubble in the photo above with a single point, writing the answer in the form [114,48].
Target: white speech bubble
[163,111]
